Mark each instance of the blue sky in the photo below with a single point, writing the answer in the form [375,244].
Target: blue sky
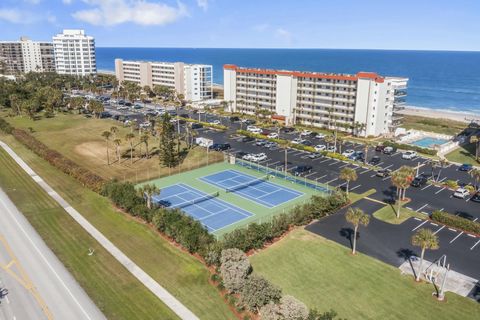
[364,24]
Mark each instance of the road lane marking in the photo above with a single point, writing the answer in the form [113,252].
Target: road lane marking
[456,237]
[421,224]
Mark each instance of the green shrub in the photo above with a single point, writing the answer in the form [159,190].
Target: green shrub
[452,184]
[5,126]
[456,222]
[470,188]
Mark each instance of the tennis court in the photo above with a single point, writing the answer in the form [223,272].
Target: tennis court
[260,190]
[212,212]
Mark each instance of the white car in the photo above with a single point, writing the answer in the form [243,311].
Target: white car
[320,147]
[145,124]
[332,149]
[298,141]
[258,157]
[320,136]
[461,193]
[251,128]
[272,135]
[409,155]
[248,157]
[348,153]
[217,122]
[305,133]
[201,111]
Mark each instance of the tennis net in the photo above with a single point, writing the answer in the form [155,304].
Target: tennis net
[247,184]
[197,200]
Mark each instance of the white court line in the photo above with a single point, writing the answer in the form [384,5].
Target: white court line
[456,237]
[426,204]
[421,224]
[475,245]
[439,230]
[440,190]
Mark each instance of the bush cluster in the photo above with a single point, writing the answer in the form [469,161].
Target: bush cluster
[456,222]
[5,126]
[404,146]
[56,159]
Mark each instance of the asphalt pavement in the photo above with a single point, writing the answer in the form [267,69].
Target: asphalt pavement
[62,295]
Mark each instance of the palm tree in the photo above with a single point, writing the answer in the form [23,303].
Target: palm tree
[409,175]
[356,217]
[107,135]
[425,239]
[476,140]
[148,191]
[129,138]
[114,131]
[117,143]
[144,139]
[475,174]
[442,164]
[401,180]
[367,146]
[328,140]
[348,174]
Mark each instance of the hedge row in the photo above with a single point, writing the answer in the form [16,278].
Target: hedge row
[404,146]
[456,222]
[85,176]
[205,124]
[5,126]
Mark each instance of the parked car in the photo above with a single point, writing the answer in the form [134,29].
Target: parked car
[348,153]
[358,156]
[270,145]
[389,150]
[220,146]
[241,154]
[272,135]
[461,193]
[105,114]
[465,167]
[248,122]
[184,115]
[314,155]
[332,149]
[298,170]
[247,156]
[307,143]
[476,197]
[320,136]
[259,157]
[246,139]
[234,119]
[254,129]
[419,181]
[196,126]
[287,129]
[216,122]
[320,147]
[260,142]
[409,155]
[384,173]
[379,148]
[145,124]
[298,141]
[306,133]
[265,132]
[375,160]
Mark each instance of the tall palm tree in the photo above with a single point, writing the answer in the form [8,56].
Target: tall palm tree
[114,131]
[356,217]
[107,135]
[476,140]
[348,174]
[425,239]
[148,191]
[328,140]
[144,139]
[441,164]
[366,146]
[409,175]
[475,174]
[401,180]
[117,143]
[129,138]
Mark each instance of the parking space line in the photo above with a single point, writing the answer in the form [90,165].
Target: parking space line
[388,166]
[439,230]
[355,187]
[325,160]
[456,237]
[452,229]
[342,166]
[440,190]
[428,186]
[321,177]
[373,175]
[475,245]
[426,204]
[274,163]
[415,218]
[434,224]
[365,171]
[328,182]
[421,224]
[331,164]
[386,178]
[308,175]
[471,235]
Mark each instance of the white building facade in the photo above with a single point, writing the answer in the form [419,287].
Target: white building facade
[25,56]
[194,81]
[365,103]
[74,53]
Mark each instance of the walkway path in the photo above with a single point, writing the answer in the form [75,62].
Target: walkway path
[182,311]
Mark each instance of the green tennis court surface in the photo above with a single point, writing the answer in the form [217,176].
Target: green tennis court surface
[226,196]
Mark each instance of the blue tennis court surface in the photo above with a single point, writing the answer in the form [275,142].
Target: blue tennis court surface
[212,212]
[261,191]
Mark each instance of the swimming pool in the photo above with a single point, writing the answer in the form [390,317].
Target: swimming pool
[428,142]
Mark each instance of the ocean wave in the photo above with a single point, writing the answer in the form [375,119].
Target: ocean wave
[453,110]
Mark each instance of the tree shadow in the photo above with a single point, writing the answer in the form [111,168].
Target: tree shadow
[348,234]
[390,195]
[3,293]
[475,292]
[464,214]
[408,255]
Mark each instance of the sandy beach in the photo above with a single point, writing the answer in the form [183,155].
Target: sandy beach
[439,114]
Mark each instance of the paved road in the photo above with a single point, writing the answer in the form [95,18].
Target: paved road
[61,293]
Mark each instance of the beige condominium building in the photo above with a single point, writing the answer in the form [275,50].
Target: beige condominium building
[26,55]
[366,99]
[194,81]
[74,53]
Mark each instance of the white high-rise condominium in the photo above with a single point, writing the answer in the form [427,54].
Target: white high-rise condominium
[194,81]
[27,56]
[74,53]
[366,103]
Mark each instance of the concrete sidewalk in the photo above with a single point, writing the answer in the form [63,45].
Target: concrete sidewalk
[176,306]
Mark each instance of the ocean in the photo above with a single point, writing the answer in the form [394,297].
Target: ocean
[443,80]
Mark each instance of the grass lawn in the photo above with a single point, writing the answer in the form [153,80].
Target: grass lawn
[388,214]
[79,139]
[445,126]
[324,275]
[464,154]
[182,275]
[114,290]
[354,197]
